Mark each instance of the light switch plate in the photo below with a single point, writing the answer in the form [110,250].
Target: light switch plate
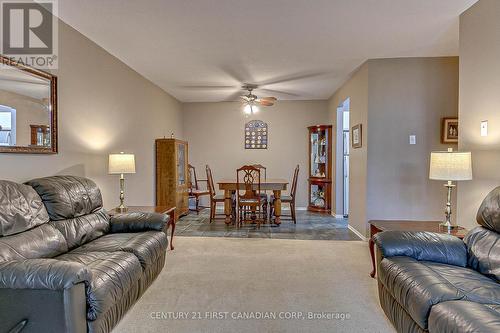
[413,139]
[484,128]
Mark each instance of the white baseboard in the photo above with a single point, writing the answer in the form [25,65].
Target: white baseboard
[357,233]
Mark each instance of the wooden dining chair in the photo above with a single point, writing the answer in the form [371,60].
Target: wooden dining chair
[289,199]
[265,198]
[214,197]
[194,190]
[249,199]
[261,168]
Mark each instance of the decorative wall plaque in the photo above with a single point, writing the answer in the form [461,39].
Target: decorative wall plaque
[256,135]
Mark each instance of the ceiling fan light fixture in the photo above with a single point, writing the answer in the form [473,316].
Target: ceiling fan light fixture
[251,102]
[250,108]
[247,109]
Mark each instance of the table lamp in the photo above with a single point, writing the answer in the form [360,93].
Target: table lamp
[450,166]
[121,164]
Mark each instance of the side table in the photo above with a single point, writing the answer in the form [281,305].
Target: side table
[401,225]
[154,209]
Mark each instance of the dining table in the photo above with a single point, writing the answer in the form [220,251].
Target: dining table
[276,185]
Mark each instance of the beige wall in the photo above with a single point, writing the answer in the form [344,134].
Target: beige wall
[356,88]
[104,107]
[479,100]
[393,98]
[408,96]
[215,135]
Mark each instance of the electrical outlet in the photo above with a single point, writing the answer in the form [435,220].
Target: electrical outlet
[413,139]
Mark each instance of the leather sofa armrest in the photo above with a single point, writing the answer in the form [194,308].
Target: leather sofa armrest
[422,245]
[41,310]
[137,222]
[48,274]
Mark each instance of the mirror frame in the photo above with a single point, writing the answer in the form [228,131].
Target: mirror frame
[53,149]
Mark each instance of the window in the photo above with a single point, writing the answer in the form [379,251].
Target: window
[7,126]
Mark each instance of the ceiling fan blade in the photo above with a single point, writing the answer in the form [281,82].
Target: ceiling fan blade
[236,96]
[270,98]
[208,87]
[265,103]
[280,92]
[238,72]
[293,77]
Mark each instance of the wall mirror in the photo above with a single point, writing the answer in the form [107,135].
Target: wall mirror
[28,109]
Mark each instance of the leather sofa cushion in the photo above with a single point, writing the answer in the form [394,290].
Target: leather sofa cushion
[113,275]
[43,241]
[146,246]
[83,229]
[67,197]
[483,247]
[418,285]
[488,214]
[462,316]
[22,208]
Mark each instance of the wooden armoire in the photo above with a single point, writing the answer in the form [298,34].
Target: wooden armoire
[172,175]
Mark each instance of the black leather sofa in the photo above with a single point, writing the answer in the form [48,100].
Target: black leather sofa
[432,282]
[65,265]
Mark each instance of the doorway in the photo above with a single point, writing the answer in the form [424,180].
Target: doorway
[342,160]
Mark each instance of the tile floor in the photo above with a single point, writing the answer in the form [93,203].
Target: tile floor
[309,226]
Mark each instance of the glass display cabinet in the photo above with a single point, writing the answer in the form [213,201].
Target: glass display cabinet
[320,168]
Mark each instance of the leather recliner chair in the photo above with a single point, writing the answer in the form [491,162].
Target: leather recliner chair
[65,265]
[432,282]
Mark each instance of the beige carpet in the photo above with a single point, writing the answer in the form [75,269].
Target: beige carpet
[244,279]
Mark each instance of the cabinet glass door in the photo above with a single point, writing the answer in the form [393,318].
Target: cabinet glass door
[181,162]
[317,198]
[319,154]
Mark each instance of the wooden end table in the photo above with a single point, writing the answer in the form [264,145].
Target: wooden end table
[401,225]
[154,209]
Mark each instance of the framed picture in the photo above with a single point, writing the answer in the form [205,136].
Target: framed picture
[256,135]
[449,130]
[357,136]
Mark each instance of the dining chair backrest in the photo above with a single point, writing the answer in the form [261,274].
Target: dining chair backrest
[294,181]
[248,182]
[262,168]
[192,179]
[210,181]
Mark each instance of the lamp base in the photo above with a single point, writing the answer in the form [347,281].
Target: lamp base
[121,209]
[447,226]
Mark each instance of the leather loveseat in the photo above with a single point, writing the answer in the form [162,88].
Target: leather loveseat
[431,282]
[65,265]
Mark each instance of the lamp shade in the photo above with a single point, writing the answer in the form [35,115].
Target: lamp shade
[121,163]
[451,165]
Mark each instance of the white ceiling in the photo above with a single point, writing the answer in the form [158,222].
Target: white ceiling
[188,46]
[23,83]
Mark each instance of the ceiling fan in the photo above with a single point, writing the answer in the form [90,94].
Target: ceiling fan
[251,101]
[240,75]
